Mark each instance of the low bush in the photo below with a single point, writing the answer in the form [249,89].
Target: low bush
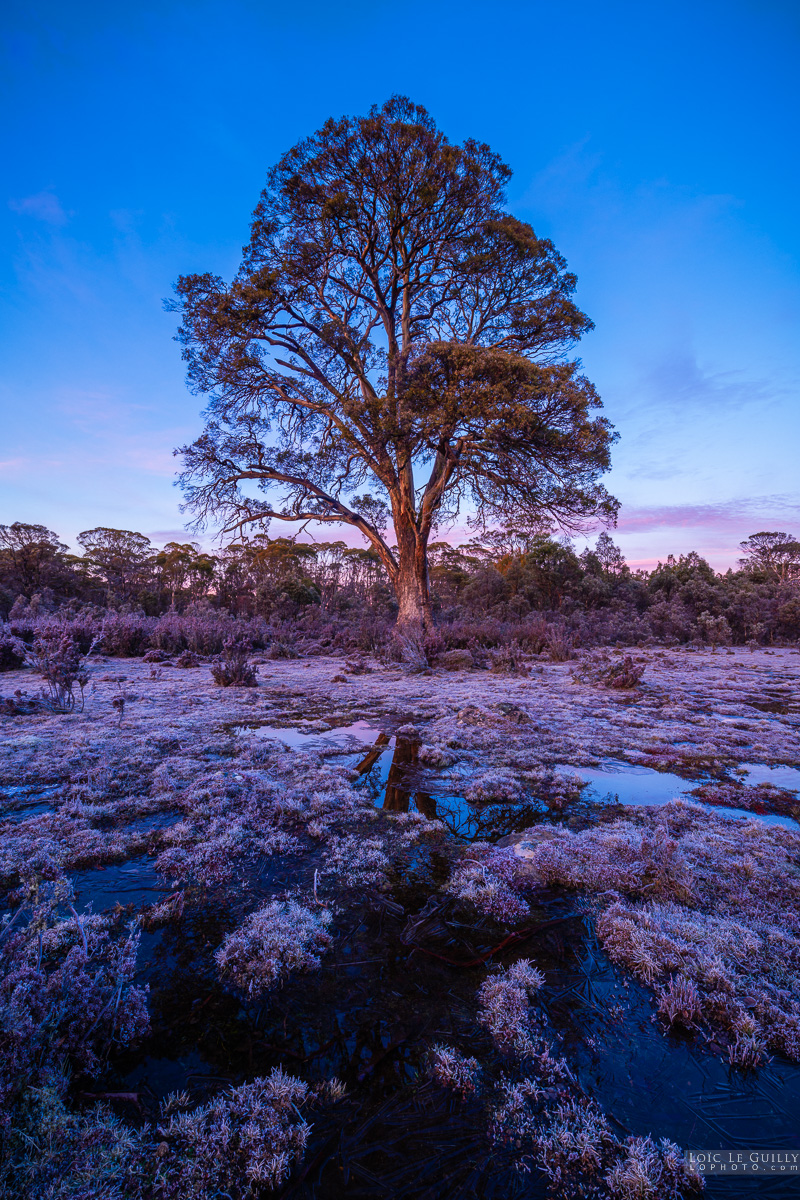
[231,668]
[273,942]
[12,653]
[610,673]
[56,657]
[66,992]
[127,635]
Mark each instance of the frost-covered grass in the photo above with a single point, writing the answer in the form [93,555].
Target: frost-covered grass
[703,909]
[700,909]
[274,941]
[537,1111]
[244,1140]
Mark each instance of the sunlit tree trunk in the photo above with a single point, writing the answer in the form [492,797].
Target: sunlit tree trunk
[409,573]
[411,587]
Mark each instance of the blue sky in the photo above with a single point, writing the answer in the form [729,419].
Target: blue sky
[655,143]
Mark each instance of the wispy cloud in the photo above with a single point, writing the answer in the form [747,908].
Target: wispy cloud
[726,515]
[171,535]
[43,206]
[679,381]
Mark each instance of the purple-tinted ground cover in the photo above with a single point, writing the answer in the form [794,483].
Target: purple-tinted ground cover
[362,814]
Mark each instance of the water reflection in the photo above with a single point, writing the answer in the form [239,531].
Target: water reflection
[397,794]
[342,738]
[781,777]
[630,783]
[391,770]
[20,803]
[133,882]
[388,770]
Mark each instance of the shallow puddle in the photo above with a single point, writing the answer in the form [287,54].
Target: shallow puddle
[723,810]
[630,784]
[341,737]
[635,785]
[132,882]
[19,803]
[391,771]
[780,777]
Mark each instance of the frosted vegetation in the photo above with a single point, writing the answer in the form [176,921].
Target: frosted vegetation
[244,949]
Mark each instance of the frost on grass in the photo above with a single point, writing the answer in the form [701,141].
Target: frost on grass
[358,861]
[273,942]
[493,787]
[452,1070]
[489,881]
[577,1145]
[540,1118]
[54,1152]
[504,1007]
[238,1144]
[66,991]
[703,910]
[253,1134]
[651,1170]
[572,1144]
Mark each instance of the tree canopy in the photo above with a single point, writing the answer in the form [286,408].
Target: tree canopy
[392,350]
[773,554]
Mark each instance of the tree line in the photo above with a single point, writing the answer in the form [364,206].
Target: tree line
[504,576]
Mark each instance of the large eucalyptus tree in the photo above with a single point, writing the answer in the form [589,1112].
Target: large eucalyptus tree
[391,352]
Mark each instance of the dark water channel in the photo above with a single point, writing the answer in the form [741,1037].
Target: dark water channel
[19,803]
[380,999]
[376,1004]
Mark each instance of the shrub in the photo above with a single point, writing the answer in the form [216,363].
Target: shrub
[534,634]
[66,991]
[231,668]
[282,648]
[243,1141]
[187,658]
[490,891]
[12,653]
[715,630]
[624,673]
[504,1007]
[451,1070]
[408,648]
[274,941]
[559,643]
[125,635]
[56,657]
[155,656]
[508,660]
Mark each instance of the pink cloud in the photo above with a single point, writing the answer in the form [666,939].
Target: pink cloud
[728,515]
[173,535]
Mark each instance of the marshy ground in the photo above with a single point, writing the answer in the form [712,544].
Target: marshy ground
[640,847]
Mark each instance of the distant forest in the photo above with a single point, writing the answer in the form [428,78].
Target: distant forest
[494,589]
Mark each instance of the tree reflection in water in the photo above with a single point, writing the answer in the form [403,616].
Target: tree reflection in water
[401,791]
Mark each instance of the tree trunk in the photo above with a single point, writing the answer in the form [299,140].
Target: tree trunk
[411,583]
